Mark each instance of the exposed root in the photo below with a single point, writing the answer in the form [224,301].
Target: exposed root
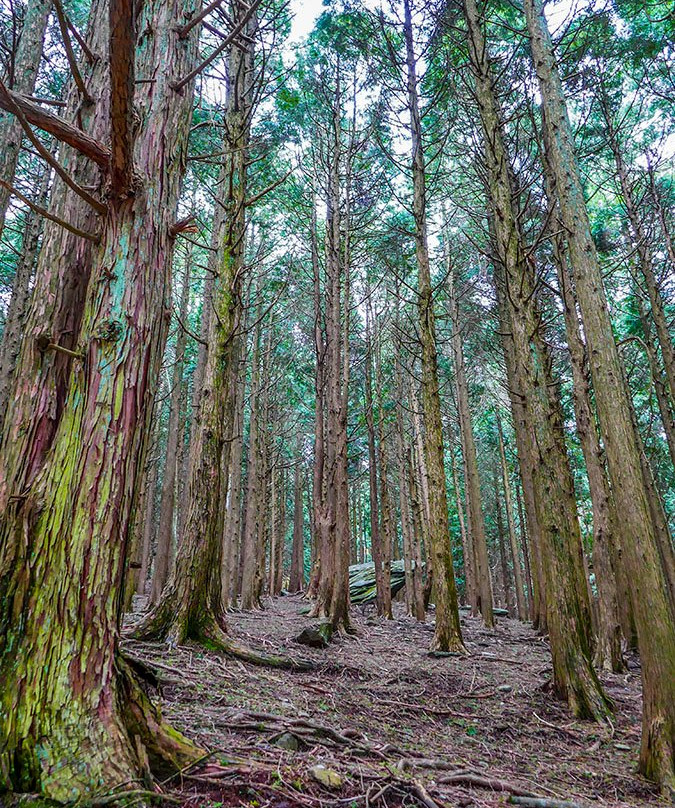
[167,749]
[215,638]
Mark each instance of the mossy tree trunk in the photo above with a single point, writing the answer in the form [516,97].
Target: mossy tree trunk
[567,607]
[652,609]
[70,704]
[192,606]
[447,633]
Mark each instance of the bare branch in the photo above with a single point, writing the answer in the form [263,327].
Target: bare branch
[234,33]
[44,212]
[47,121]
[70,53]
[184,30]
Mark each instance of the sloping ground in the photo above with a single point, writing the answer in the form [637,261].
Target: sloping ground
[399,727]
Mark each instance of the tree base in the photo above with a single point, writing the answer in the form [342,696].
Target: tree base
[162,624]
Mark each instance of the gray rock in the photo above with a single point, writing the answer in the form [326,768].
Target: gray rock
[316,636]
[287,741]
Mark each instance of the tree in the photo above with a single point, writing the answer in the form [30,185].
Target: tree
[72,714]
[639,550]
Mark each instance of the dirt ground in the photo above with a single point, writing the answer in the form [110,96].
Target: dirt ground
[394,726]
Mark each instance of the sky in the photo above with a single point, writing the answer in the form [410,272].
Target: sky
[306,12]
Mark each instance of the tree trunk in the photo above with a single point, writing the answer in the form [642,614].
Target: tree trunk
[411,537]
[73,704]
[513,541]
[506,577]
[250,557]
[231,548]
[526,555]
[147,524]
[482,589]
[40,385]
[568,612]
[192,604]
[297,583]
[24,70]
[467,550]
[386,530]
[375,539]
[639,550]
[17,310]
[608,640]
[447,633]
[165,532]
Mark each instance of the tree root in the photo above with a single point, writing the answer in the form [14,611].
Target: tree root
[161,625]
[300,726]
[470,778]
[542,802]
[167,749]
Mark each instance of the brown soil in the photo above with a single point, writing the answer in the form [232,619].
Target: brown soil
[488,717]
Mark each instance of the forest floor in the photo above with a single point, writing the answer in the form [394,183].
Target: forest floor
[393,725]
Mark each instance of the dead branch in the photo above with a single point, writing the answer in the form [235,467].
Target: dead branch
[234,33]
[52,218]
[48,122]
[542,802]
[70,53]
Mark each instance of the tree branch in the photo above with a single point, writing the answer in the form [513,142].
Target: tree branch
[257,197]
[234,33]
[44,212]
[70,53]
[184,30]
[62,130]
[53,162]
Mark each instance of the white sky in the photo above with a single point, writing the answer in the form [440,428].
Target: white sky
[306,12]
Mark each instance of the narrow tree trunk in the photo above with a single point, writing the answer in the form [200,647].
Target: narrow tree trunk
[375,539]
[165,531]
[25,66]
[513,541]
[17,310]
[297,583]
[250,558]
[386,525]
[506,576]
[526,554]
[447,633]
[482,589]
[147,523]
[639,550]
[467,549]
[232,531]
